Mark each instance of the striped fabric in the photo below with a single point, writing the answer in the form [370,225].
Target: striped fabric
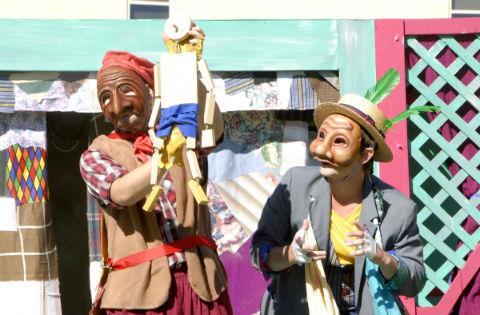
[29,253]
[7,94]
[93,219]
[302,96]
[245,196]
[237,82]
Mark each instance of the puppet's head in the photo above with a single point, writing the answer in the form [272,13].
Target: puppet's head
[124,89]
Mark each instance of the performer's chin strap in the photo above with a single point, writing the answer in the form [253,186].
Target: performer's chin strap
[351,174]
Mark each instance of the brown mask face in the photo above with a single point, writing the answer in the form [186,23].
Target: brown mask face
[337,146]
[124,98]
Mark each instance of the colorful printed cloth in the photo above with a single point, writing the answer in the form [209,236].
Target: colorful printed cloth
[274,90]
[99,172]
[227,232]
[253,129]
[26,174]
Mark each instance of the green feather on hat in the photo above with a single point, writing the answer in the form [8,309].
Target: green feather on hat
[383,88]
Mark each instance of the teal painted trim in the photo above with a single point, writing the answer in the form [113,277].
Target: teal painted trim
[357,59]
[238,45]
[356,56]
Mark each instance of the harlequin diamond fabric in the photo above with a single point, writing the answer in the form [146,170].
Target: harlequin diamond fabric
[26,174]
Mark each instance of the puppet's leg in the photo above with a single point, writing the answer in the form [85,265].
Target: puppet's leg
[194,184]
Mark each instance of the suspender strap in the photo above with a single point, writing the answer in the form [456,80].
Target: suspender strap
[160,251]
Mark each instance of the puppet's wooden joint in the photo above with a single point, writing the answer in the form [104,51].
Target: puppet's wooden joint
[158,143]
[154,172]
[209,112]
[151,134]
[198,192]
[191,143]
[206,75]
[193,163]
[207,139]
[155,112]
[152,198]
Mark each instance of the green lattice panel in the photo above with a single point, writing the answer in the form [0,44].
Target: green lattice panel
[442,205]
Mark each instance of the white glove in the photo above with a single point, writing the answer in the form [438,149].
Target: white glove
[370,246]
[300,254]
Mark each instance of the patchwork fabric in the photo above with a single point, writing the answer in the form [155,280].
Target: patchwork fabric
[227,232]
[322,87]
[26,174]
[27,129]
[30,252]
[302,96]
[7,95]
[55,91]
[237,82]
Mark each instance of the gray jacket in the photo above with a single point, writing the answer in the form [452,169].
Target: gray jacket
[304,191]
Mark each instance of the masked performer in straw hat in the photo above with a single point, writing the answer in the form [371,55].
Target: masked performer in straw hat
[144,275]
[336,239]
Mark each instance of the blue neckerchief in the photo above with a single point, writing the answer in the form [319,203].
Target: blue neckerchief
[183,115]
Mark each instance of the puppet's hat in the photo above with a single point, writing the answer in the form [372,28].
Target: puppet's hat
[365,113]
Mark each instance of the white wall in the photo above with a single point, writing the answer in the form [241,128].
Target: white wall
[313,9]
[63,9]
[233,9]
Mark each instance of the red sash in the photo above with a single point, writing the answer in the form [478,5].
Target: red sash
[160,251]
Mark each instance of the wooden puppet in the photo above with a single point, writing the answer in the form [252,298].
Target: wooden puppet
[176,100]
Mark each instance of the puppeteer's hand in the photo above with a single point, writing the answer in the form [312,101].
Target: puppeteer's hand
[305,253]
[193,42]
[364,242]
[171,152]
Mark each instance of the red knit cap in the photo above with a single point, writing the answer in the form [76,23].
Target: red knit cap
[141,66]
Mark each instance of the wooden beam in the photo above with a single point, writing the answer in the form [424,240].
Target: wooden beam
[442,26]
[390,53]
[235,45]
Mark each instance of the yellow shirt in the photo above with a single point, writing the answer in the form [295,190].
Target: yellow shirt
[339,226]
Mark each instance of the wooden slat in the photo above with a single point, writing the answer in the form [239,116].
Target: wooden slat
[247,45]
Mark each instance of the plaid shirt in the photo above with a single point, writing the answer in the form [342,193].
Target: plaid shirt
[99,171]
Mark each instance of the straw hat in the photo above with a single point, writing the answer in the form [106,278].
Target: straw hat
[365,113]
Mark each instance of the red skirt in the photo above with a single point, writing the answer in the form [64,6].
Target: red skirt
[183,300]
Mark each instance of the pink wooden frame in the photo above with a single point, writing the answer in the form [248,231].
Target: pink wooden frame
[390,53]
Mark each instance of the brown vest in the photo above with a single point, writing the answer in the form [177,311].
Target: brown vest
[131,230]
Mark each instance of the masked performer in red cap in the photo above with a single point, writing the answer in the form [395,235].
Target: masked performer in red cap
[336,239]
[159,262]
